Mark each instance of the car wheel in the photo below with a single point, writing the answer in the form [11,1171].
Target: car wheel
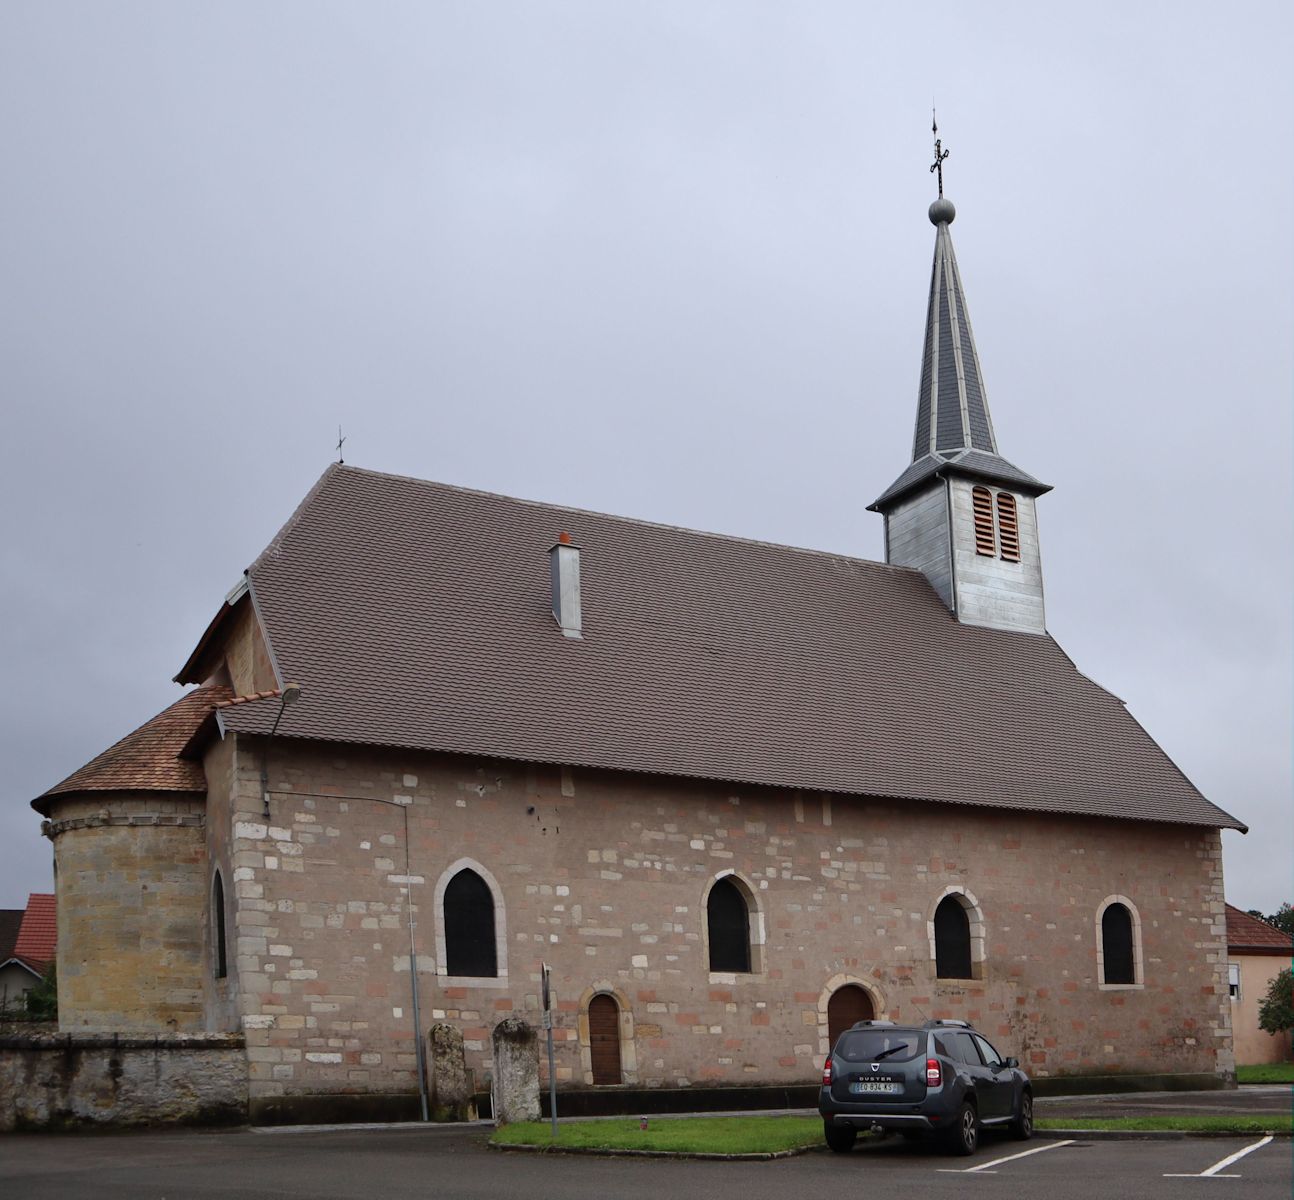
[1022,1126]
[839,1137]
[964,1136]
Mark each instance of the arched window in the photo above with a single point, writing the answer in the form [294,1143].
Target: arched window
[982,508]
[847,1005]
[1008,527]
[604,1039]
[219,953]
[728,922]
[1118,962]
[952,940]
[469,926]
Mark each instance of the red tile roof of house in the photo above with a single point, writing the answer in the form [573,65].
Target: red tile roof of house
[1247,934]
[416,614]
[149,759]
[38,934]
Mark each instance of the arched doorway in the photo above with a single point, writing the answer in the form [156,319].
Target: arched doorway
[847,1005]
[604,1038]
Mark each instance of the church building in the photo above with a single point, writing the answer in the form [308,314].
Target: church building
[735,795]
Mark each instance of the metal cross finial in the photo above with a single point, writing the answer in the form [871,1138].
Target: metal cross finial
[341,441]
[940,153]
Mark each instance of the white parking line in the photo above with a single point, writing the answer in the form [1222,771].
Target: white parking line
[1212,1172]
[983,1168]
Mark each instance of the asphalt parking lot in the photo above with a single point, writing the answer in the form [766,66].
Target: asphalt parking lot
[421,1161]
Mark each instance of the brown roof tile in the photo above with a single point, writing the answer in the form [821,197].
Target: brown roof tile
[149,759]
[416,614]
[38,934]
[1247,933]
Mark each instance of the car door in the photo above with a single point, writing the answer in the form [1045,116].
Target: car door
[999,1083]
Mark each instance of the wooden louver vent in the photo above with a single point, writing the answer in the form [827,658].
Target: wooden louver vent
[982,505]
[1008,526]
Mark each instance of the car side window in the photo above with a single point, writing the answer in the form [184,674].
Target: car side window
[941,1049]
[990,1055]
[964,1049]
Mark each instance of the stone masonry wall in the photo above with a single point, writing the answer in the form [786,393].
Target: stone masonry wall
[70,1080]
[131,911]
[605,877]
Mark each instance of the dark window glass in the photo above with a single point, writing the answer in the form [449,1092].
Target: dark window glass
[219,958]
[469,926]
[963,1047]
[729,925]
[989,1055]
[880,1045]
[1116,943]
[952,940]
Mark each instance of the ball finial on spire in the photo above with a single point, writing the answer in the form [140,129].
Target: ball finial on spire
[942,211]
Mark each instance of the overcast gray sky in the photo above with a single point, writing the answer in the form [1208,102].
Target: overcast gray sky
[667,260]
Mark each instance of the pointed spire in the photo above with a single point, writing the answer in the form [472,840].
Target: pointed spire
[953,424]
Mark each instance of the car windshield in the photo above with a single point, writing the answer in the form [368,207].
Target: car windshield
[879,1045]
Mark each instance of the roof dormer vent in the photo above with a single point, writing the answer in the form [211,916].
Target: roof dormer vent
[564,559]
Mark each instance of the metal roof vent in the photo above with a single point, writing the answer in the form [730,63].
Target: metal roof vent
[564,559]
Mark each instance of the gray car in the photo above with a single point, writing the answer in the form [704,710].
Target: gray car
[939,1080]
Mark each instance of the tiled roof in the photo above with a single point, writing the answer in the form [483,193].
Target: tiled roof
[10,923]
[149,758]
[1251,934]
[417,615]
[38,934]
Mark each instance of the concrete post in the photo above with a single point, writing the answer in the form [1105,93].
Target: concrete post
[451,1094]
[516,1071]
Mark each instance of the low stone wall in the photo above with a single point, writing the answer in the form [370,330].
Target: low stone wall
[61,1081]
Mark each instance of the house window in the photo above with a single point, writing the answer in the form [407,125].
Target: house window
[952,940]
[982,508]
[1116,945]
[219,954]
[1233,980]
[1008,527]
[728,924]
[469,926]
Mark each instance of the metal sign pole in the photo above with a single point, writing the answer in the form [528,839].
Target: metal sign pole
[552,1073]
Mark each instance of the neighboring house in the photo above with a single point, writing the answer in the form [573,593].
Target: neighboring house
[1256,953]
[736,795]
[28,939]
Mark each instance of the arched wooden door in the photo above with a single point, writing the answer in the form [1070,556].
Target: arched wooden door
[847,1005]
[604,1038]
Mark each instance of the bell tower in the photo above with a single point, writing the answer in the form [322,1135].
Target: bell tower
[960,513]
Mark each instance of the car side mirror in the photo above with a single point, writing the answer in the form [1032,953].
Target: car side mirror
[1012,1062]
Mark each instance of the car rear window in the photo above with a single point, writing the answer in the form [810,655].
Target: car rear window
[880,1045]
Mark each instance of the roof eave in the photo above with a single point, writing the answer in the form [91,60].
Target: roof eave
[888,499]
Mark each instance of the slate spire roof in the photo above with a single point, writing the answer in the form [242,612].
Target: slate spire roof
[953,427]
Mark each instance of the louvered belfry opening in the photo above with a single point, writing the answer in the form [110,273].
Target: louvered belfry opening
[469,926]
[1008,526]
[847,1005]
[728,921]
[982,506]
[604,1038]
[952,940]
[1116,944]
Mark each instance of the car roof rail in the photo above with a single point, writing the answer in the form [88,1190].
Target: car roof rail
[954,1021]
[869,1024]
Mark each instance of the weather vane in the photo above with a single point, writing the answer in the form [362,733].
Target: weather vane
[940,154]
[341,441]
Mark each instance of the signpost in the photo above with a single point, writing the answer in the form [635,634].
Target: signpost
[548,1026]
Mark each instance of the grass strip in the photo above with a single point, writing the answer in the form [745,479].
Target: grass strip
[679,1135]
[1240,1123]
[1266,1073]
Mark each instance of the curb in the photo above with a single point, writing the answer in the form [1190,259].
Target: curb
[794,1152]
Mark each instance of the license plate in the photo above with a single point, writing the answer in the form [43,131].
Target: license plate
[860,1086]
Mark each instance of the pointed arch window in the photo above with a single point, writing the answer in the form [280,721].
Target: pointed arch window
[728,924]
[470,949]
[219,951]
[1008,527]
[982,508]
[952,940]
[1118,960]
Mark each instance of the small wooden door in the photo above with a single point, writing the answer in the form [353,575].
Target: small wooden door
[847,1005]
[604,1038]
